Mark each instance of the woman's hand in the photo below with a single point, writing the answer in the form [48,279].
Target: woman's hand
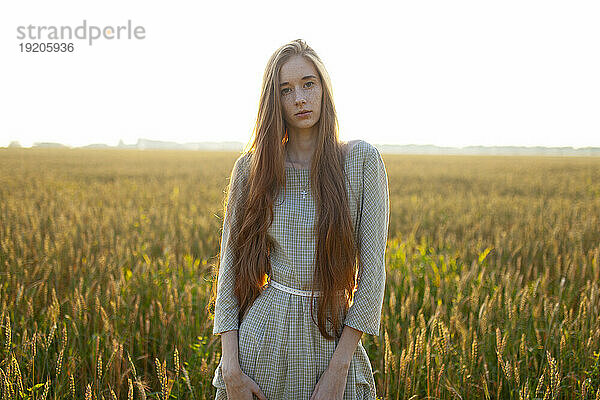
[332,383]
[238,385]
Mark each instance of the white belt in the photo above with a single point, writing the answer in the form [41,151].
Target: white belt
[288,289]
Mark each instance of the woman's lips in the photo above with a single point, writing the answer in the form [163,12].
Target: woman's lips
[304,114]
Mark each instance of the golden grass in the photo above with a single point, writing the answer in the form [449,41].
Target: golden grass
[492,286]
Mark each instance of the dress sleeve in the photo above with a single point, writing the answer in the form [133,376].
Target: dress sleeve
[226,303]
[365,312]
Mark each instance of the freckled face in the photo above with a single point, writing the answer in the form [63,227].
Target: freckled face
[300,90]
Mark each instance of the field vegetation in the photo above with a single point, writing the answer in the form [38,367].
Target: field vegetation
[106,261]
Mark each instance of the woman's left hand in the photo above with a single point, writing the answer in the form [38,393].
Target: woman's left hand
[332,384]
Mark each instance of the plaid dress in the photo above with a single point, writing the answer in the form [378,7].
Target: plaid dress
[280,347]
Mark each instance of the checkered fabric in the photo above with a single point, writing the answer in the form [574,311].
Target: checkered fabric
[280,347]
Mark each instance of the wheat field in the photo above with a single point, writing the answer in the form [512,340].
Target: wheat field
[492,290]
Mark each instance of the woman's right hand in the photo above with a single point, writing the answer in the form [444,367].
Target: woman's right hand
[238,385]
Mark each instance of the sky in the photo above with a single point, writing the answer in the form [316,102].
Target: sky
[448,73]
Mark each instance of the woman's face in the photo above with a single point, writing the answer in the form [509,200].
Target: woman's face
[300,91]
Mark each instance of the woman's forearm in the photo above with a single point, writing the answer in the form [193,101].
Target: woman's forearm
[229,347]
[342,355]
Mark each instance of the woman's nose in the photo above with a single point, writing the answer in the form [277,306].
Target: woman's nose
[300,100]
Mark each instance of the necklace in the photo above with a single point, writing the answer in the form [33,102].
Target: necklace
[304,191]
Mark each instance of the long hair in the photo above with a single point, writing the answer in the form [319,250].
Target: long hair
[336,250]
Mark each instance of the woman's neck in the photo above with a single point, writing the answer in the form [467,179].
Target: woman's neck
[301,146]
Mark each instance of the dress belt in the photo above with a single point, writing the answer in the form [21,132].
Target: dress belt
[277,285]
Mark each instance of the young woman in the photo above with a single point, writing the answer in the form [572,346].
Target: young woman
[304,213]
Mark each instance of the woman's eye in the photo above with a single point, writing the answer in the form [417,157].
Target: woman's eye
[288,90]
